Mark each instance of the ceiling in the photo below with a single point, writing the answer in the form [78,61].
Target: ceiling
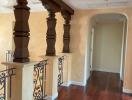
[7,5]
[35,5]
[87,4]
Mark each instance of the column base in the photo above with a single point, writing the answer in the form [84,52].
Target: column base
[21,60]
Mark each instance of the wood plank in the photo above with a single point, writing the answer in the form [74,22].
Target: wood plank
[102,86]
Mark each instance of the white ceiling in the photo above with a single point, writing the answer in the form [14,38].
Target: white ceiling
[35,5]
[7,5]
[86,4]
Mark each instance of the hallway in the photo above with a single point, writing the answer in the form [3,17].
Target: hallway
[102,86]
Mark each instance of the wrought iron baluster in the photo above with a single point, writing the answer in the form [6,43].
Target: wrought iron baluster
[2,88]
[5,88]
[60,68]
[45,81]
[39,92]
[4,75]
[9,57]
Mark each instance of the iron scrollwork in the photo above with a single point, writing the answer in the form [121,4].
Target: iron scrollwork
[4,76]
[60,68]
[39,92]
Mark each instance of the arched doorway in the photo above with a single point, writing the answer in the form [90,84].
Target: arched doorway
[107,43]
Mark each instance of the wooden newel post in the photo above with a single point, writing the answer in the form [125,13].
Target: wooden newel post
[51,34]
[66,36]
[21,31]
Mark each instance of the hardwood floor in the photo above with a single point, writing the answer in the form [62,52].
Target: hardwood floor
[101,86]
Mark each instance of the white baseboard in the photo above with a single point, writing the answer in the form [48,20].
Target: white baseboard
[127,91]
[105,70]
[78,83]
[67,84]
[52,97]
[74,83]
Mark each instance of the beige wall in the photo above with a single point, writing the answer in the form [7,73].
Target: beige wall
[107,46]
[79,32]
[79,37]
[38,29]
[37,44]
[6,21]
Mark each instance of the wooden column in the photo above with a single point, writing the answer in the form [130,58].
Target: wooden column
[51,34]
[52,8]
[21,32]
[66,36]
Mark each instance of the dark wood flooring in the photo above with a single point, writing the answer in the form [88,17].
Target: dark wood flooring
[101,86]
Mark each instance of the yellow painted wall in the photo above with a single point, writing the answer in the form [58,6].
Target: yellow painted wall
[37,44]
[38,29]
[6,21]
[79,35]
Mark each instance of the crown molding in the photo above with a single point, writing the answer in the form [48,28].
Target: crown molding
[90,4]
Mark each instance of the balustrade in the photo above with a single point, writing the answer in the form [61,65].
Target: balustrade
[60,69]
[21,59]
[5,80]
[40,69]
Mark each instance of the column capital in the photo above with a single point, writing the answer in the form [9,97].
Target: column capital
[66,15]
[22,4]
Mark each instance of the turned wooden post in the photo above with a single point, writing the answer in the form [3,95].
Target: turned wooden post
[52,8]
[66,36]
[51,34]
[21,31]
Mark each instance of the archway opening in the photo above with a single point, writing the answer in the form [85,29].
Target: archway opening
[106,47]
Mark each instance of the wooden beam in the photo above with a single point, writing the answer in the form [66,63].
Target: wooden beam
[57,6]
[64,6]
[50,5]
